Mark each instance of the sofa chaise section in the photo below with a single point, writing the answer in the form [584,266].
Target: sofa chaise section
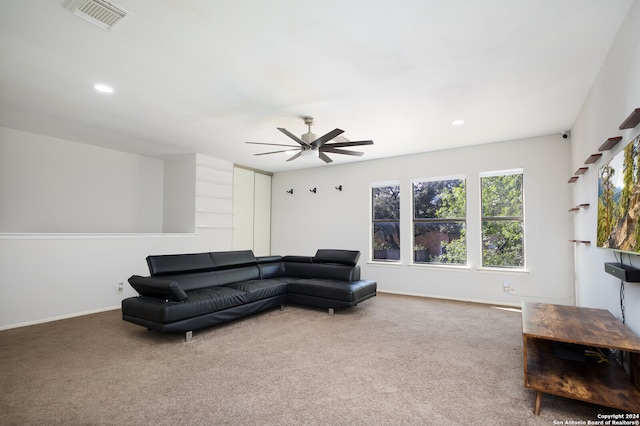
[329,280]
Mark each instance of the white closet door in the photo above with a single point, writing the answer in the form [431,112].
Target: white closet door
[251,211]
[243,208]
[262,215]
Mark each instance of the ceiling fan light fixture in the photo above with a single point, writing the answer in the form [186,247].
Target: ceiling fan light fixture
[309,153]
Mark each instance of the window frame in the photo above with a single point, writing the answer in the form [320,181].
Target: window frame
[521,219]
[462,220]
[373,221]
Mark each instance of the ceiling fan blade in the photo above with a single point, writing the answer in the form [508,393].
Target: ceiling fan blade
[274,152]
[272,144]
[295,156]
[324,157]
[342,151]
[350,143]
[292,136]
[326,138]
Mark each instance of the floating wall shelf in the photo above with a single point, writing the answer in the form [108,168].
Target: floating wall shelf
[610,143]
[631,121]
[573,179]
[578,207]
[581,170]
[593,158]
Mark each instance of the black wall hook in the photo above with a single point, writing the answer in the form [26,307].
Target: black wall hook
[290,191]
[313,190]
[339,188]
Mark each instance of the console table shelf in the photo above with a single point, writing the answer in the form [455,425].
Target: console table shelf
[547,371]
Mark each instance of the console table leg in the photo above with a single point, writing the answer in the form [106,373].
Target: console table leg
[538,403]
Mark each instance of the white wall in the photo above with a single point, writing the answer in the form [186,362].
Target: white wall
[179,194]
[53,185]
[303,221]
[614,95]
[76,270]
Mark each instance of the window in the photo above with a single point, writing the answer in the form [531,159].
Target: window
[385,202]
[439,221]
[502,219]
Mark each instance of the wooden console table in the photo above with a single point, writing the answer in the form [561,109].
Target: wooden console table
[563,355]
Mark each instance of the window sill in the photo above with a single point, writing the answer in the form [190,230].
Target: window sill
[503,270]
[380,263]
[440,266]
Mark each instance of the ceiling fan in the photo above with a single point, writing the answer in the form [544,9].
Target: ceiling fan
[310,146]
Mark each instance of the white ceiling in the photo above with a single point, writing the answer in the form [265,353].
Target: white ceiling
[205,76]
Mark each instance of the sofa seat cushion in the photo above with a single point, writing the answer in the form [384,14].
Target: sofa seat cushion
[261,289]
[198,302]
[333,289]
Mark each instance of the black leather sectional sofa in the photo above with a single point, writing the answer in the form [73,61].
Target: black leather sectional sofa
[186,292]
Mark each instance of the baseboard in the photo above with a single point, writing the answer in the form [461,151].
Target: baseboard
[58,318]
[428,296]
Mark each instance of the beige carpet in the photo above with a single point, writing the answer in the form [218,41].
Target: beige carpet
[393,360]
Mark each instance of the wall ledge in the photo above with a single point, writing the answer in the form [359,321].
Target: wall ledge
[90,236]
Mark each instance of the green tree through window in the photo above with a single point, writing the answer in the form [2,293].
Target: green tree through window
[385,201]
[439,221]
[502,219]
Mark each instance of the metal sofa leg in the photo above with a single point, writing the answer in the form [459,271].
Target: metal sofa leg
[331,310]
[282,307]
[188,336]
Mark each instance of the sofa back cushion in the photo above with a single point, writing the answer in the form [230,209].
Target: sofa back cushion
[270,266]
[235,266]
[322,271]
[298,259]
[195,280]
[170,264]
[233,259]
[341,257]
[238,274]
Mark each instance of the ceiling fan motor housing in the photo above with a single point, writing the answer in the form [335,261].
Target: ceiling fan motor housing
[308,138]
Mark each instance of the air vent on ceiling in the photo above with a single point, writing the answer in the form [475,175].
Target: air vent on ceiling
[102,13]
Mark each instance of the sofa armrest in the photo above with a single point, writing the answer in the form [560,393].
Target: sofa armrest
[158,288]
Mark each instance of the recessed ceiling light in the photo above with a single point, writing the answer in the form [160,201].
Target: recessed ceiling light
[457,122]
[103,88]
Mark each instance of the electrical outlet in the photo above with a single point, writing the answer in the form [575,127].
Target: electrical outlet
[506,287]
[512,290]
[120,288]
